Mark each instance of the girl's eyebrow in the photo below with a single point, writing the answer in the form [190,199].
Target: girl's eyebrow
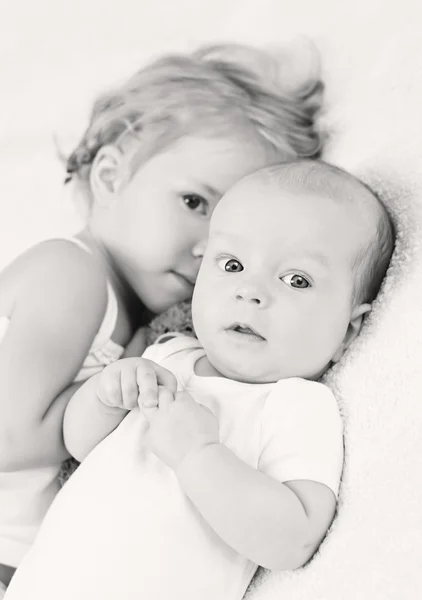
[227,236]
[209,189]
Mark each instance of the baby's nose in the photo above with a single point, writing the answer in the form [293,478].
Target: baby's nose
[253,294]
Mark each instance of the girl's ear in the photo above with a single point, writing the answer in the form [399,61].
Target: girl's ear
[108,174]
[355,325]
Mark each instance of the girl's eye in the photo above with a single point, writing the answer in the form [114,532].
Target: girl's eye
[296,281]
[231,266]
[196,203]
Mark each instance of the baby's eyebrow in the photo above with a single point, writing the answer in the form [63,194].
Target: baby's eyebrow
[318,257]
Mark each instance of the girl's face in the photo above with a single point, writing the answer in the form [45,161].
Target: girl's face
[155,226]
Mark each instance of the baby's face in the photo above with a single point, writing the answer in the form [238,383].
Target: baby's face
[273,297]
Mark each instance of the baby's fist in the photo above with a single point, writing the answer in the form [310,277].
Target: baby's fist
[178,427]
[132,381]
[117,385]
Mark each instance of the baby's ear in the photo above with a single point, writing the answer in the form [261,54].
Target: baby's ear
[108,174]
[353,330]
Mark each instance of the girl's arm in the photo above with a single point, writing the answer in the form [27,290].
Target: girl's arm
[137,344]
[58,310]
[278,526]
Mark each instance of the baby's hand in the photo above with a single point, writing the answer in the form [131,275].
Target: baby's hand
[132,381]
[179,426]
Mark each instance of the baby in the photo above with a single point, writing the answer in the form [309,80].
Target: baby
[231,453]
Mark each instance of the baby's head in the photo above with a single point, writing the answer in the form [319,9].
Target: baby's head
[162,148]
[296,254]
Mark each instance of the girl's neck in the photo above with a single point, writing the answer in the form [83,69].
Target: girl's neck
[138,314]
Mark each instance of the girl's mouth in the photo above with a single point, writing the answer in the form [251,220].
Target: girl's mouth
[185,280]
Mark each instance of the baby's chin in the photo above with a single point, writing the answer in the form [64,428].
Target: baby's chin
[242,374]
[256,373]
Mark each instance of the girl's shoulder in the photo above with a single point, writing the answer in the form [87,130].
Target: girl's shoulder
[56,270]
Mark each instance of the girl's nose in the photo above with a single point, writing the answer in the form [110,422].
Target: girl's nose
[253,294]
[198,250]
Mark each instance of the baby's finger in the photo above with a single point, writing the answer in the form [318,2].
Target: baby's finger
[165,397]
[165,377]
[148,386]
[129,387]
[149,412]
[109,388]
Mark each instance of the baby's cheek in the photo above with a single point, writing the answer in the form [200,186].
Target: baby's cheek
[304,344]
[329,334]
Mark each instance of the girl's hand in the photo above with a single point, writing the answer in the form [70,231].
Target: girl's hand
[137,344]
[178,426]
[130,382]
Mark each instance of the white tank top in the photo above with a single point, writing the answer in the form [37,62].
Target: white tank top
[103,350]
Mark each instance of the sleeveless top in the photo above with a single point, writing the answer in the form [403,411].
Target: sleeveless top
[103,350]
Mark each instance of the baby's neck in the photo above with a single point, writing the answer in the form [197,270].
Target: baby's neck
[203,368]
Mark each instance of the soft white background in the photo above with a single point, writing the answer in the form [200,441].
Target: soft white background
[56,55]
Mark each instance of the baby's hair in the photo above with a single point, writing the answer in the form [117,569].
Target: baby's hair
[372,260]
[214,90]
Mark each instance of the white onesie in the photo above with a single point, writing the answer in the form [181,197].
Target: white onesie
[26,495]
[123,528]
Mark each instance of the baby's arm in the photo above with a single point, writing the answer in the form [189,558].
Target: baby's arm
[57,312]
[276,525]
[99,406]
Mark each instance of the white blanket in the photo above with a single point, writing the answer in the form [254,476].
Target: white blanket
[63,53]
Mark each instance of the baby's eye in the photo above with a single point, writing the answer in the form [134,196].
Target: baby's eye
[230,265]
[296,281]
[196,203]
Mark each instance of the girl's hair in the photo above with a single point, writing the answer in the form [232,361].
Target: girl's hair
[215,89]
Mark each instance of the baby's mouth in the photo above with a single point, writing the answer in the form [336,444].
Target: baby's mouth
[243,329]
